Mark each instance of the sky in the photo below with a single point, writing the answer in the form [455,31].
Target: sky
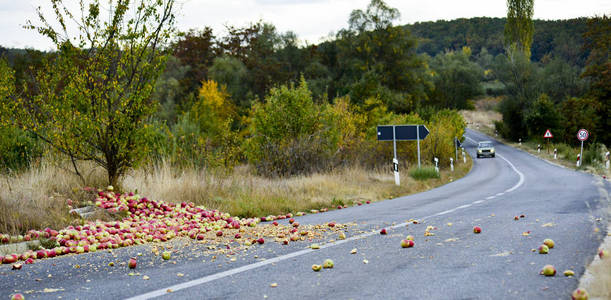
[312,20]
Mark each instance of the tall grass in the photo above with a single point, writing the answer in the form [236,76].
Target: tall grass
[38,198]
[424,173]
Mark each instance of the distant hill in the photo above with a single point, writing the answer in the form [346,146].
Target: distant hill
[562,38]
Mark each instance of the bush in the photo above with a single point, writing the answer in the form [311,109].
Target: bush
[17,149]
[424,173]
[289,135]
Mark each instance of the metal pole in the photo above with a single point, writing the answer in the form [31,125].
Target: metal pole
[456,148]
[394,141]
[581,155]
[418,139]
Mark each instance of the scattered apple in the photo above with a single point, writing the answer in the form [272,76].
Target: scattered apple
[327,264]
[410,237]
[237,236]
[549,243]
[17,266]
[516,218]
[569,273]
[17,296]
[407,243]
[548,270]
[275,223]
[291,220]
[543,249]
[477,229]
[316,268]
[166,255]
[579,294]
[342,236]
[260,241]
[315,246]
[132,263]
[383,231]
[603,253]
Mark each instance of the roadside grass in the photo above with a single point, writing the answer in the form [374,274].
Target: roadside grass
[40,197]
[246,195]
[424,173]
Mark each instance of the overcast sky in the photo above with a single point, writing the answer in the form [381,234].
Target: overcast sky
[312,20]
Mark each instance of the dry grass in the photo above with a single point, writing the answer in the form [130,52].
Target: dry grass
[484,115]
[37,198]
[243,194]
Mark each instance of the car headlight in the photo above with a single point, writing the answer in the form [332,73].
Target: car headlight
[479,150]
[492,150]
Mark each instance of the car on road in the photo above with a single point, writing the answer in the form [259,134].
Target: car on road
[485,148]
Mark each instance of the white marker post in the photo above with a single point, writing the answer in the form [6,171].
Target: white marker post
[452,164]
[578,160]
[395,168]
[607,160]
[555,153]
[520,141]
[436,164]
[395,161]
[539,148]
[464,158]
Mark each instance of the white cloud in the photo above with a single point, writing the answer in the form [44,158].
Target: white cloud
[310,19]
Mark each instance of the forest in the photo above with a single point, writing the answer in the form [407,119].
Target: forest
[258,96]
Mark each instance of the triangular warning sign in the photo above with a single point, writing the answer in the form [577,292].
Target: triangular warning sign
[548,134]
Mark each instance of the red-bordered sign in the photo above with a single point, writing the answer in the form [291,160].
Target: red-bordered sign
[582,135]
[548,134]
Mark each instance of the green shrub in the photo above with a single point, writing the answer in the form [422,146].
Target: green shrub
[289,134]
[17,149]
[424,173]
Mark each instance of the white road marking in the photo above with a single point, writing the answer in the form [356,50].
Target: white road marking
[520,182]
[500,194]
[209,278]
[491,197]
[478,201]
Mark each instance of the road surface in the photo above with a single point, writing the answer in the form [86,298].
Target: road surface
[454,263]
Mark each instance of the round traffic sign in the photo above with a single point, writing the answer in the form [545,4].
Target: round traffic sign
[582,135]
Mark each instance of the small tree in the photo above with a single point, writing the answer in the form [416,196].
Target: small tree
[92,100]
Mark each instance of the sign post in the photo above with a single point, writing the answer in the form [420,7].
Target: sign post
[402,133]
[548,135]
[582,135]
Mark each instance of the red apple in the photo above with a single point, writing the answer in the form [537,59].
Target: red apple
[291,220]
[383,231]
[132,263]
[260,241]
[407,243]
[17,297]
[477,229]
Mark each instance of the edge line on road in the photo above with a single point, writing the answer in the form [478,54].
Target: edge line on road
[209,278]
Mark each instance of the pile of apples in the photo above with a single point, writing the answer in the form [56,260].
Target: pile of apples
[145,221]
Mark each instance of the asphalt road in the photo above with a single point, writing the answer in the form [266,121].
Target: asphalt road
[455,263]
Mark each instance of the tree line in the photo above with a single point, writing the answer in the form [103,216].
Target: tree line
[216,100]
